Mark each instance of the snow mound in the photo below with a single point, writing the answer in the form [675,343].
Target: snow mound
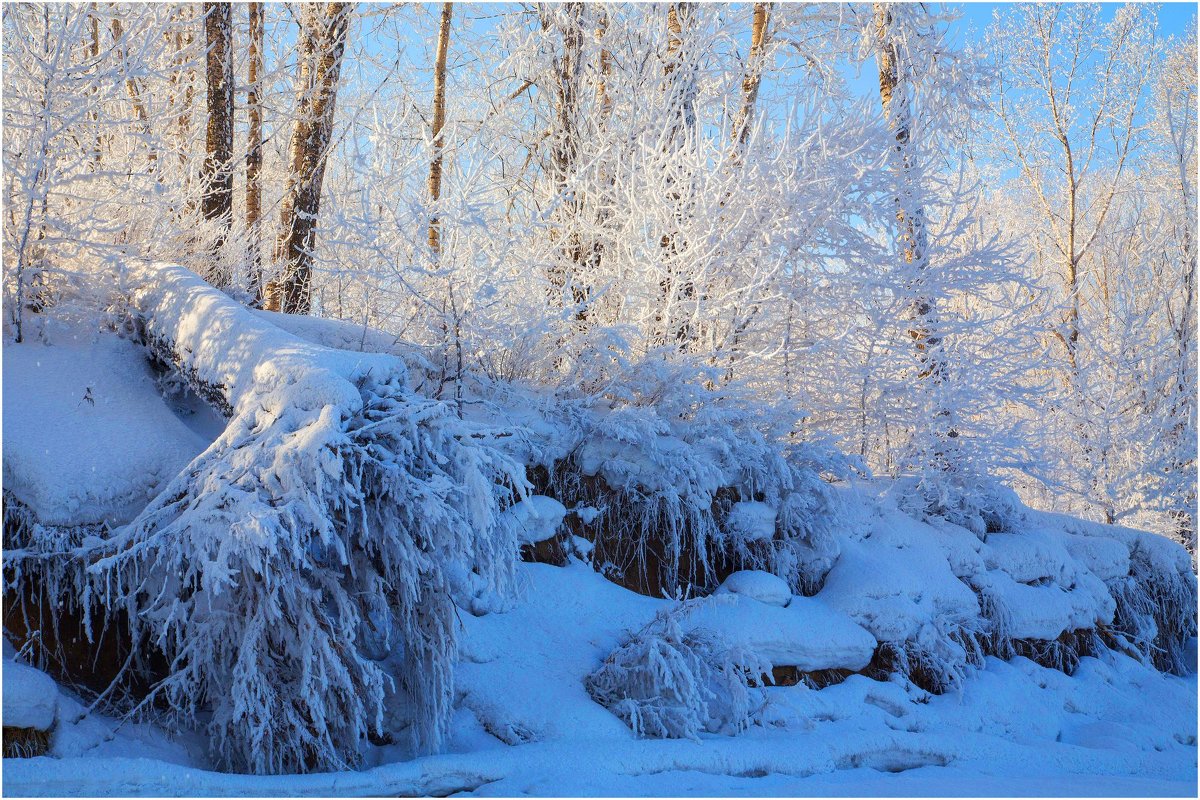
[808,634]
[762,586]
[536,518]
[894,584]
[30,697]
[87,436]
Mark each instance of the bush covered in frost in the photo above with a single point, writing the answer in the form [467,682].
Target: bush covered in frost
[299,572]
[664,477]
[668,684]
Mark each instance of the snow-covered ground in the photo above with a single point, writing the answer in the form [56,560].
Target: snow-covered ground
[89,439]
[525,725]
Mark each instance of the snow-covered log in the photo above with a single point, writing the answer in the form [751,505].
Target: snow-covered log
[297,574]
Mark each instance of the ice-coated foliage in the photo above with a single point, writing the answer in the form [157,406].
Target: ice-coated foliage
[978,503]
[299,569]
[668,684]
[1156,606]
[666,466]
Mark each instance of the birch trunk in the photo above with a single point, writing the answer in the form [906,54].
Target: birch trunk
[439,121]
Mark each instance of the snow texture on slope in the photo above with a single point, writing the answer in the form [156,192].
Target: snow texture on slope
[87,436]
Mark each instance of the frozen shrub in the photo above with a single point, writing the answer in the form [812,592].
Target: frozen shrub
[937,659]
[301,569]
[976,502]
[668,684]
[278,568]
[665,478]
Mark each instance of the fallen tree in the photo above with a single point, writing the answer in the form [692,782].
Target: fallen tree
[298,574]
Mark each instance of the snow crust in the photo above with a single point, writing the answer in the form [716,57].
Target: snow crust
[762,586]
[30,697]
[87,436]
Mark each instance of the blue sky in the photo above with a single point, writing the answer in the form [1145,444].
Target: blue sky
[1174,19]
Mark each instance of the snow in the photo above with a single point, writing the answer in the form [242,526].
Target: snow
[1114,728]
[227,346]
[1047,611]
[762,586]
[895,583]
[536,518]
[87,436]
[807,634]
[1029,556]
[752,520]
[30,697]
[337,334]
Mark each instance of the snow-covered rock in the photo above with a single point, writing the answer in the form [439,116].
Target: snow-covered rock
[894,584]
[1105,558]
[1030,556]
[536,518]
[761,586]
[30,697]
[807,634]
[1047,611]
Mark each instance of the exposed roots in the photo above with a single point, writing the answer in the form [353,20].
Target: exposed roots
[937,660]
[25,742]
[1156,610]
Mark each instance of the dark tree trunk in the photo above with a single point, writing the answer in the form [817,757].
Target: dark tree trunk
[254,152]
[217,202]
[322,42]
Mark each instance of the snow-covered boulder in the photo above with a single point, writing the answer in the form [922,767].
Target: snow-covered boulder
[759,585]
[1030,556]
[807,634]
[1107,559]
[895,588]
[1046,612]
[536,518]
[87,436]
[30,697]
